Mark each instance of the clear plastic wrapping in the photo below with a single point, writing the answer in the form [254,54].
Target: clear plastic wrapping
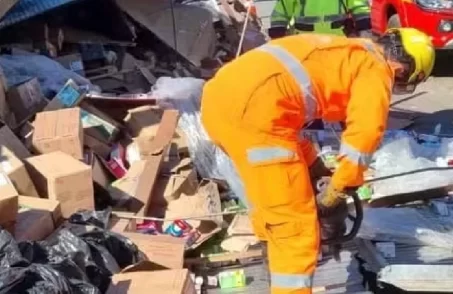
[184,94]
[404,154]
[416,226]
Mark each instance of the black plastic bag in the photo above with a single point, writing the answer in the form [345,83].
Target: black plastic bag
[99,219]
[10,255]
[121,248]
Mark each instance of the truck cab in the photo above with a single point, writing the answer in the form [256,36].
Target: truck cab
[434,17]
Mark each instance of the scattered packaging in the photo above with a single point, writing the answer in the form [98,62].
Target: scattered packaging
[26,99]
[52,206]
[10,141]
[163,250]
[232,279]
[59,130]
[8,211]
[15,169]
[33,225]
[70,95]
[72,62]
[69,181]
[141,282]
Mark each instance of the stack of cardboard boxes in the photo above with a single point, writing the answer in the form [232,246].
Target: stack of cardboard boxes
[66,155]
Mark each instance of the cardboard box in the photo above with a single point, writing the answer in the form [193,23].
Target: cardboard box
[59,130]
[98,124]
[6,115]
[100,148]
[144,120]
[58,176]
[33,225]
[101,176]
[8,212]
[163,282]
[163,250]
[15,169]
[72,62]
[7,188]
[9,140]
[70,95]
[49,205]
[25,100]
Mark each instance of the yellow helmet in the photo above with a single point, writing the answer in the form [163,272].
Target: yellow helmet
[418,52]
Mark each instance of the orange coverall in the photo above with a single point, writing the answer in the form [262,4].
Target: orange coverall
[255,108]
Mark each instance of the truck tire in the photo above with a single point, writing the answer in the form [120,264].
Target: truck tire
[394,21]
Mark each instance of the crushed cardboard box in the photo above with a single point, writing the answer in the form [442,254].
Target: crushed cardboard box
[25,100]
[163,250]
[176,281]
[8,210]
[69,182]
[10,141]
[15,169]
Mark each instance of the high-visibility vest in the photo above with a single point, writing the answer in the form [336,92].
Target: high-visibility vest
[301,15]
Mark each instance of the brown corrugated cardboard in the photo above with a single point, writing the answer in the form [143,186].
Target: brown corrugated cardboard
[163,282]
[15,169]
[60,177]
[8,212]
[158,148]
[163,250]
[59,130]
[143,120]
[25,100]
[101,176]
[7,188]
[33,225]
[9,140]
[52,206]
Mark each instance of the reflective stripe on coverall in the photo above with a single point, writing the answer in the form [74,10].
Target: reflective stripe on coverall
[254,109]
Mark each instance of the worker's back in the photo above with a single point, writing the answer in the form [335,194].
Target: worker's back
[331,62]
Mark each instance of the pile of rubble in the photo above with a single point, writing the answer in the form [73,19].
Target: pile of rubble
[109,184]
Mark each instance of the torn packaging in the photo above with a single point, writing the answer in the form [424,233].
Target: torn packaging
[25,100]
[15,169]
[8,211]
[140,282]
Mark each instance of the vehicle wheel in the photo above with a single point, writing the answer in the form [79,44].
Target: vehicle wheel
[394,21]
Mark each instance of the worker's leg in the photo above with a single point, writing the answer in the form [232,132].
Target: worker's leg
[284,214]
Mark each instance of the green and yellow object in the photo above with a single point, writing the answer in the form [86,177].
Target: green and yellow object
[232,279]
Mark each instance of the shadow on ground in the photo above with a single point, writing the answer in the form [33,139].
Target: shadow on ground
[443,66]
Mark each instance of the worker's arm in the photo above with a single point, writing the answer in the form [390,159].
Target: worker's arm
[366,119]
[280,18]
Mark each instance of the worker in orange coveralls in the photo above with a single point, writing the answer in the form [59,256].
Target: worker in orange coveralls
[255,107]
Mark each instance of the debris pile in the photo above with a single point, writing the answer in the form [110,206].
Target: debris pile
[109,183]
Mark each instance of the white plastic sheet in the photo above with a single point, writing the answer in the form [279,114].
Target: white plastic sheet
[184,94]
[402,153]
[416,226]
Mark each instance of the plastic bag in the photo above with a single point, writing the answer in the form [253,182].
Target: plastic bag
[184,94]
[416,226]
[405,154]
[79,263]
[99,219]
[51,75]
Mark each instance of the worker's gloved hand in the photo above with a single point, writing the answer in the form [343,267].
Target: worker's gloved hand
[331,202]
[317,171]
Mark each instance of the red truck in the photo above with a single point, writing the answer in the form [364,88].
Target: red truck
[434,17]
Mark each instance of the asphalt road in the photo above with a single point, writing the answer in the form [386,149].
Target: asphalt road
[432,102]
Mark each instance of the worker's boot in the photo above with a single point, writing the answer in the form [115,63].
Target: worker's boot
[266,261]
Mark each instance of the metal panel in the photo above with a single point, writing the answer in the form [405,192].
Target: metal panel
[27,9]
